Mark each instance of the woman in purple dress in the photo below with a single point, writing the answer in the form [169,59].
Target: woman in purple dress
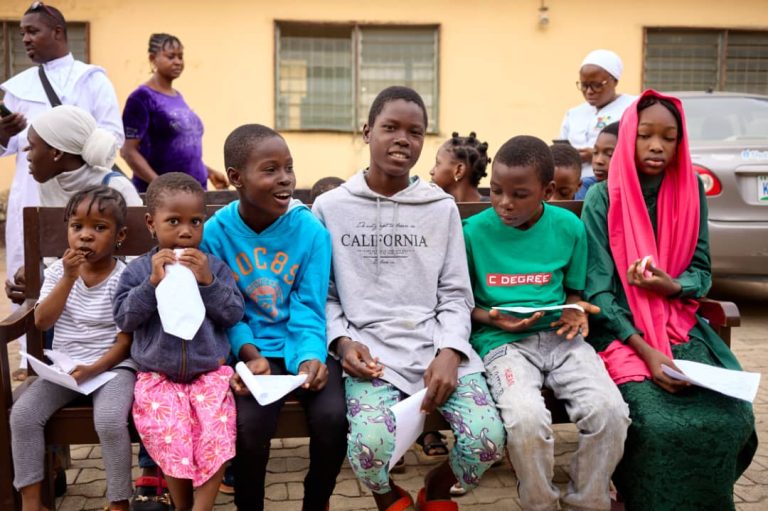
[162,134]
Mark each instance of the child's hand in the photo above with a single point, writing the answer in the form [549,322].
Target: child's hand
[317,374]
[511,323]
[659,281]
[654,359]
[441,379]
[357,361]
[83,373]
[197,261]
[257,365]
[71,261]
[159,260]
[573,322]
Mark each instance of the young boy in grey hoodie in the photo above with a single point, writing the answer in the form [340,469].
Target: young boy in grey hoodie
[399,309]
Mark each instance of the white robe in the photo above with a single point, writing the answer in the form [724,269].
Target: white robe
[583,123]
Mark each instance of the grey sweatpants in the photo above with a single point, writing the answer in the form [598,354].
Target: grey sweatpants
[516,372]
[111,406]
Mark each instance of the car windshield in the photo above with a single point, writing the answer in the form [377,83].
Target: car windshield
[721,118]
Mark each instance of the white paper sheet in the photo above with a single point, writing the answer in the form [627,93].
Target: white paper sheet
[62,360]
[268,388]
[738,384]
[531,310]
[55,375]
[179,303]
[409,424]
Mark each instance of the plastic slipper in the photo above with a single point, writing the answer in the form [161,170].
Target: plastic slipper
[433,448]
[404,503]
[434,505]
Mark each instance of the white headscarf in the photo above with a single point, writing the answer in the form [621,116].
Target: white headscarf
[606,59]
[73,130]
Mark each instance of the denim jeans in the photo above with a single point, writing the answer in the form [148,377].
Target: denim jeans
[516,372]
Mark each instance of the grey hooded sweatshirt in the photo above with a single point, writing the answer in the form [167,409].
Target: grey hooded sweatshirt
[399,282]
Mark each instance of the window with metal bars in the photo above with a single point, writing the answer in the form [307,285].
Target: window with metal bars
[701,59]
[14,57]
[327,75]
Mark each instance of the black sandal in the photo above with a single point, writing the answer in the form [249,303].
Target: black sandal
[432,444]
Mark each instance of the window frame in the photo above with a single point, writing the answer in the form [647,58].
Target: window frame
[722,56]
[9,24]
[355,30]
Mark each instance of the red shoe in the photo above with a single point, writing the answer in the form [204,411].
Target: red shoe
[434,505]
[404,503]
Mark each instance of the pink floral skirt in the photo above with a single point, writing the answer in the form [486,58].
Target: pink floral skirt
[187,428]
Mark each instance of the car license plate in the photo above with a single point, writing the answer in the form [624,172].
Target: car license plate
[762,189]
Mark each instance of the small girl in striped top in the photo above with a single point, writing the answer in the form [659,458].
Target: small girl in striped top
[76,298]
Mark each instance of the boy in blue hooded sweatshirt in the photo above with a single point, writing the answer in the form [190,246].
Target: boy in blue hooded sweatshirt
[280,255]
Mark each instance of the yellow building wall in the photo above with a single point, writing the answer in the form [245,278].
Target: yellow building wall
[501,74]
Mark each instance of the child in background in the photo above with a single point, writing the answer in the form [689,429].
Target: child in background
[604,146]
[183,409]
[460,164]
[686,446]
[76,298]
[567,171]
[399,310]
[601,157]
[323,185]
[526,253]
[281,258]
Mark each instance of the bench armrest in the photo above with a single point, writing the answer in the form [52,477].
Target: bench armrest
[18,323]
[720,314]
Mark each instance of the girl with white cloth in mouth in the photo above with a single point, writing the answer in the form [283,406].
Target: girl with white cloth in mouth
[68,152]
[598,77]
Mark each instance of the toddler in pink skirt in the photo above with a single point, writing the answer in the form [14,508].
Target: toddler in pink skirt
[183,407]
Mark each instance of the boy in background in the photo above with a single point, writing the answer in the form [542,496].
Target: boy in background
[567,171]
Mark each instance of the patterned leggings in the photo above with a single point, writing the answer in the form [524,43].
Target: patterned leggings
[470,411]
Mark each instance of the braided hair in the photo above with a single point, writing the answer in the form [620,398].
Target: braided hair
[103,197]
[473,153]
[158,42]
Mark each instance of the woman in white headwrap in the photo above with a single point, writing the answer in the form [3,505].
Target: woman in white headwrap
[599,74]
[68,152]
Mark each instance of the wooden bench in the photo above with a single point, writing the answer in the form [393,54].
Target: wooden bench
[45,236]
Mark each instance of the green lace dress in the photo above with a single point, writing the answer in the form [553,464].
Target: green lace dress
[683,451]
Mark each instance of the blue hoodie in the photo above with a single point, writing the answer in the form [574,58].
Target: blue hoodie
[283,274]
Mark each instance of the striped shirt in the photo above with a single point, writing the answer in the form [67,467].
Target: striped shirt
[86,329]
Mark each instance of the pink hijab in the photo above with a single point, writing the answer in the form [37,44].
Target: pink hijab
[663,321]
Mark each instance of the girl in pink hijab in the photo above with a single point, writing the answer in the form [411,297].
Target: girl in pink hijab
[648,264]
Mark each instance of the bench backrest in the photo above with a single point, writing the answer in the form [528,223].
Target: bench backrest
[45,235]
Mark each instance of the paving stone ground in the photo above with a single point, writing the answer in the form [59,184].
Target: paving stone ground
[289,459]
